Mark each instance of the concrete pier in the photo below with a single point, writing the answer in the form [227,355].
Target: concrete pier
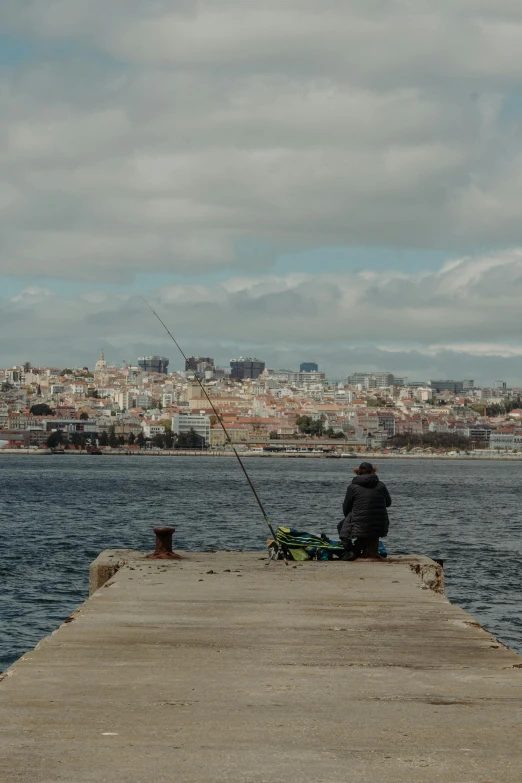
[221,668]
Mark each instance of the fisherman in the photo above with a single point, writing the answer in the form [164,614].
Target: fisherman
[365,514]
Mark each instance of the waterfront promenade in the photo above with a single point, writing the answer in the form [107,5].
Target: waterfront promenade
[221,668]
[470,456]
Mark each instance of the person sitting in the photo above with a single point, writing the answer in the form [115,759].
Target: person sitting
[365,514]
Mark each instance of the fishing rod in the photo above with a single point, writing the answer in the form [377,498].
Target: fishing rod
[220,420]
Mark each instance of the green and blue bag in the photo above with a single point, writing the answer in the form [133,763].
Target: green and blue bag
[298,545]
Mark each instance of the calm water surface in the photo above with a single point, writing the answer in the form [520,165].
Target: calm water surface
[58,513]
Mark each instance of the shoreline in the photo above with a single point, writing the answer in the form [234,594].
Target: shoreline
[267,455]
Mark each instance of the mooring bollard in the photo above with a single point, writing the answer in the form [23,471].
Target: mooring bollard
[163,549]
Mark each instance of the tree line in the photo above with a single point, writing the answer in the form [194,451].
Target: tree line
[167,440]
[499,408]
[316,427]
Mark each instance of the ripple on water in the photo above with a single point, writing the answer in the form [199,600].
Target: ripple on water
[57,515]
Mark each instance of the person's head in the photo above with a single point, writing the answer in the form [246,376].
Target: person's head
[365,469]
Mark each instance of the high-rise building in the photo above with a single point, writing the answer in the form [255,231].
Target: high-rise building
[158,364]
[246,367]
[500,385]
[447,385]
[309,367]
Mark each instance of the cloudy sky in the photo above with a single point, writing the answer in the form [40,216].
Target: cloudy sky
[296,179]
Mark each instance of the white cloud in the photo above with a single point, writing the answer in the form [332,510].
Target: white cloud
[460,319]
[475,349]
[179,131]
[200,137]
[31,296]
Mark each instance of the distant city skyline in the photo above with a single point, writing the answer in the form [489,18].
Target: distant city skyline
[279,184]
[379,378]
[145,406]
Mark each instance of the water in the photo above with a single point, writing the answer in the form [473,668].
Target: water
[57,513]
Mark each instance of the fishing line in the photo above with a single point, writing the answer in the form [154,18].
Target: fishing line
[220,420]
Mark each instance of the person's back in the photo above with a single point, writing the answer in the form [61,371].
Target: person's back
[365,509]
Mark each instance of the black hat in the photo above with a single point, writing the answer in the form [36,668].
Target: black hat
[366,466]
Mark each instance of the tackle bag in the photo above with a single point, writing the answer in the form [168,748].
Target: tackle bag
[298,545]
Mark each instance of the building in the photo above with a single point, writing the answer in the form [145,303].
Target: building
[371,380]
[500,385]
[479,434]
[387,423]
[101,371]
[142,399]
[168,399]
[309,367]
[151,428]
[70,427]
[506,439]
[240,433]
[246,367]
[191,364]
[451,386]
[184,422]
[124,400]
[195,392]
[299,378]
[365,422]
[415,425]
[157,364]
[17,439]
[423,393]
[15,376]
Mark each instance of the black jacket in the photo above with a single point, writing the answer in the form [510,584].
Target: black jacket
[365,508]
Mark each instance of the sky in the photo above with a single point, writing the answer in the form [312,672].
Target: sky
[299,181]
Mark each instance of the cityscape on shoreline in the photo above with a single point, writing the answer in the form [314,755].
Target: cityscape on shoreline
[145,406]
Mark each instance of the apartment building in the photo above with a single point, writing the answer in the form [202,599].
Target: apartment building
[184,422]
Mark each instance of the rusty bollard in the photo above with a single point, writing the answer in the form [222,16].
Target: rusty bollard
[163,549]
